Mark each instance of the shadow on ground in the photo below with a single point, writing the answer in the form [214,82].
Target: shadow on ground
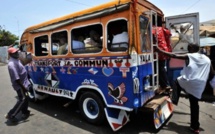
[54,107]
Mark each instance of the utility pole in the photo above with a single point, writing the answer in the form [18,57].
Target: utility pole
[17,21]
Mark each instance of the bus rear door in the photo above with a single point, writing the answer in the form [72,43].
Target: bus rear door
[184,29]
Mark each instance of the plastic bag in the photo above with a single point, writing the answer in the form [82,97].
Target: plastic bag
[25,57]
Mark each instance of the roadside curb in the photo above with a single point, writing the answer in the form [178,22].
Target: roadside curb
[3,64]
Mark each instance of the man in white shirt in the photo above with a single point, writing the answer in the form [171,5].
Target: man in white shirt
[121,38]
[193,79]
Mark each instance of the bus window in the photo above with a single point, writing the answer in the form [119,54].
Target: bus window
[41,45]
[117,36]
[87,39]
[59,43]
[145,40]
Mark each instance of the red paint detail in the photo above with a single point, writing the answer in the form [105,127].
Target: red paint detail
[170,105]
[124,120]
[124,99]
[115,125]
[110,64]
[127,64]
[118,64]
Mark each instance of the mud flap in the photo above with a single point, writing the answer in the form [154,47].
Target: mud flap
[117,118]
[162,113]
[159,109]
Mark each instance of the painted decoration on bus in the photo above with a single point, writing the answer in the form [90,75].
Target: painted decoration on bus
[117,93]
[113,77]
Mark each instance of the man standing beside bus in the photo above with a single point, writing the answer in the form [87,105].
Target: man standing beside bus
[193,80]
[20,83]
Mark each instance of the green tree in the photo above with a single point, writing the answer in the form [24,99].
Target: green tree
[7,38]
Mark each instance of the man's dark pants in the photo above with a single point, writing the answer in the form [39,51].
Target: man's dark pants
[21,104]
[163,79]
[194,105]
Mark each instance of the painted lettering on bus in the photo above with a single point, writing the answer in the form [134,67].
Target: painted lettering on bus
[145,58]
[55,91]
[47,63]
[91,63]
[89,82]
[84,63]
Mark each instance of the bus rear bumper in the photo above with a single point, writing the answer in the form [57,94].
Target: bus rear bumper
[158,110]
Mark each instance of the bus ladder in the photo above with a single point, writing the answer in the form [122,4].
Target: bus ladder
[155,79]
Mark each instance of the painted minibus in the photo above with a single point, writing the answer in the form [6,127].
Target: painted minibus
[103,58]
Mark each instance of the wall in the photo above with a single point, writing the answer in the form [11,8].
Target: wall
[3,54]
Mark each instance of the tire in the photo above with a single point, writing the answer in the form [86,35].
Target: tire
[92,108]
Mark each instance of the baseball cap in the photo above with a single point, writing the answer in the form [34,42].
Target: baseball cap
[12,50]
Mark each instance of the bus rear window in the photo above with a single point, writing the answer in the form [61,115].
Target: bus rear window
[117,35]
[145,35]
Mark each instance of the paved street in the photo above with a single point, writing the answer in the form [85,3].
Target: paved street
[50,117]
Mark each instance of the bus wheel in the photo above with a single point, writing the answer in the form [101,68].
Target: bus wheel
[92,108]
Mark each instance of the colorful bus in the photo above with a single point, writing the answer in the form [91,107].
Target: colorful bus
[103,58]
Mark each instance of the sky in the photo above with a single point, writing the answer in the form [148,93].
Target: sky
[17,15]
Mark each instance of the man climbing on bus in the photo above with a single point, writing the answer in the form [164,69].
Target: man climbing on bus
[193,80]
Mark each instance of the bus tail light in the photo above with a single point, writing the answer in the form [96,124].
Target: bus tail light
[147,84]
[136,84]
